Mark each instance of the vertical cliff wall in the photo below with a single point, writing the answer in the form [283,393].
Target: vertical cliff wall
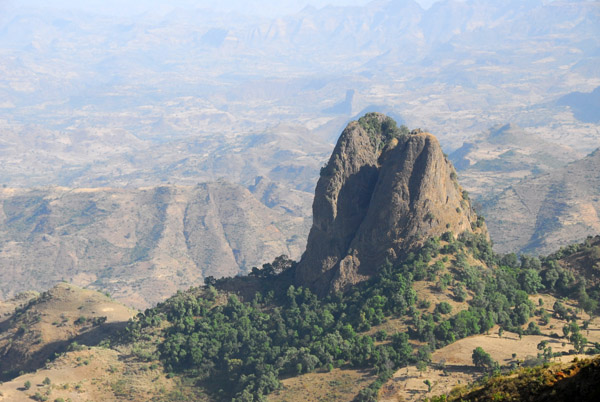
[382,193]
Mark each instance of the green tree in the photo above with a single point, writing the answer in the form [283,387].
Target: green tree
[459,292]
[533,329]
[422,365]
[560,311]
[566,330]
[578,341]
[443,308]
[522,313]
[482,359]
[545,318]
[530,281]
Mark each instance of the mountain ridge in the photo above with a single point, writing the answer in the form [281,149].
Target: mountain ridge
[141,245]
[550,209]
[386,191]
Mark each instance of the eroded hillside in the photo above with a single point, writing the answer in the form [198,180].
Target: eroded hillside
[56,347]
[140,245]
[546,211]
[404,327]
[505,154]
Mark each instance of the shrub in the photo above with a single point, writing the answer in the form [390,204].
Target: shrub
[80,321]
[482,359]
[39,397]
[443,308]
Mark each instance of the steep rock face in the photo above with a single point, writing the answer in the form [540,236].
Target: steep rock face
[382,193]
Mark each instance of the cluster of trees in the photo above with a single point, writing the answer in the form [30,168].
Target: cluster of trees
[386,128]
[239,350]
[500,296]
[572,332]
[565,283]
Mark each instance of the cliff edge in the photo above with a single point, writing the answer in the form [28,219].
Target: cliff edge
[383,193]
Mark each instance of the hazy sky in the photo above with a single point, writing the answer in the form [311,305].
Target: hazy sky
[132,7]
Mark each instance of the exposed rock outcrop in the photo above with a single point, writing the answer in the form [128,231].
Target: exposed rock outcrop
[382,193]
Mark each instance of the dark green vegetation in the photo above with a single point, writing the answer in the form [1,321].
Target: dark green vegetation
[574,272]
[239,349]
[387,128]
[577,381]
[482,359]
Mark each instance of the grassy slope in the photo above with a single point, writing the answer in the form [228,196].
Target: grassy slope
[576,381]
[47,324]
[131,371]
[453,365]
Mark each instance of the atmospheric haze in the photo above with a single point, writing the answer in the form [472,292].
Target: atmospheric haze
[96,95]
[251,7]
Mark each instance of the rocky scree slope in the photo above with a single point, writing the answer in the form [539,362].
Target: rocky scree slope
[382,194]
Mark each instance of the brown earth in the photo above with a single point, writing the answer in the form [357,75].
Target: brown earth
[452,365]
[93,374]
[544,212]
[337,385]
[140,245]
[576,380]
[49,323]
[8,307]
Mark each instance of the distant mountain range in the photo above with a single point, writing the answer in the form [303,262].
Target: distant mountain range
[535,194]
[75,81]
[585,106]
[408,288]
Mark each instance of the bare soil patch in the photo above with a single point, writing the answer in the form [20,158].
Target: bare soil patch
[337,385]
